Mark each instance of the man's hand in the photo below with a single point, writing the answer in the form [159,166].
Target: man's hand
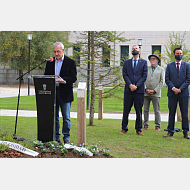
[59,80]
[132,87]
[150,91]
[176,91]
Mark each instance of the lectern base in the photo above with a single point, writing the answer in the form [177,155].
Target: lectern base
[45,101]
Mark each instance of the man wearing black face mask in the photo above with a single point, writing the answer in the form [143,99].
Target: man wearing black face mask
[134,75]
[178,79]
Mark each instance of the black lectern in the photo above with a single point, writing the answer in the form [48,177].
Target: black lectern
[45,101]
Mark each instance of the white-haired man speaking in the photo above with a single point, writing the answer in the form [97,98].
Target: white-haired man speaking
[66,69]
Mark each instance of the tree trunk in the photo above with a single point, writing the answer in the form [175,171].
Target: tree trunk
[21,73]
[91,119]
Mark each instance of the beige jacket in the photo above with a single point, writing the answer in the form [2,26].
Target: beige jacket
[155,81]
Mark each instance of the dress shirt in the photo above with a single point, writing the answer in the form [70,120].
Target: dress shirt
[134,61]
[58,65]
[176,68]
[153,68]
[179,64]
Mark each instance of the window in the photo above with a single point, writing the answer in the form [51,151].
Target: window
[76,55]
[157,50]
[105,56]
[124,54]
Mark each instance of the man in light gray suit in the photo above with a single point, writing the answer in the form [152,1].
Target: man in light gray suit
[153,84]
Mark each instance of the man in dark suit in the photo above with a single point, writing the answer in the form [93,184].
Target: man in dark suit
[66,69]
[178,79]
[134,75]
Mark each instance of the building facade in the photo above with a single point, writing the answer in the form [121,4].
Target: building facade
[152,41]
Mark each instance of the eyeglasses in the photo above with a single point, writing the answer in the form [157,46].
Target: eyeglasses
[57,52]
[152,58]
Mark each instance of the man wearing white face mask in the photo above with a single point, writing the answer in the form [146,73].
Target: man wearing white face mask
[153,84]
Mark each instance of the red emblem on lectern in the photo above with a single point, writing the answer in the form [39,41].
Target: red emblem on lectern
[44,86]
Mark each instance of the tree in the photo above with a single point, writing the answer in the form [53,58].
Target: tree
[176,39]
[101,54]
[14,47]
[91,119]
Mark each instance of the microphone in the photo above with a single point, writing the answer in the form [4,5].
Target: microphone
[50,59]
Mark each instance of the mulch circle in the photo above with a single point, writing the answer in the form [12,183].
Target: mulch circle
[15,154]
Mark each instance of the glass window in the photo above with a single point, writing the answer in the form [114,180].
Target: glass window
[124,54]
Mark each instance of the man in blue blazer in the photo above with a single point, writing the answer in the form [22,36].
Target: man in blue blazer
[134,75]
[178,79]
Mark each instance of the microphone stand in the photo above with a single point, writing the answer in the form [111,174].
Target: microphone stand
[20,78]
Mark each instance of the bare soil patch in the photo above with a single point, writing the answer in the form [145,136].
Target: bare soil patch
[15,154]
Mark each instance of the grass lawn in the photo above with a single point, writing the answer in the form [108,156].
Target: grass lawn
[111,104]
[105,135]
[105,132]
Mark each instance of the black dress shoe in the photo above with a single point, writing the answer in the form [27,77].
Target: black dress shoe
[168,135]
[186,136]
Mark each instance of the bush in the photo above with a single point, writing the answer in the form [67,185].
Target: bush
[4,148]
[27,144]
[7,137]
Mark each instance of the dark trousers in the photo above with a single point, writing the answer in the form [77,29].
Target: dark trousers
[172,105]
[129,99]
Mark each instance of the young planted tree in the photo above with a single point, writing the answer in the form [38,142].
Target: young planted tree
[100,56]
[91,119]
[176,39]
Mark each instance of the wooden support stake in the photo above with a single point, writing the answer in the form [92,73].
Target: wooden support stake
[179,118]
[81,113]
[100,107]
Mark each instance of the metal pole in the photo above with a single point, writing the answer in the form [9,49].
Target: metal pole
[29,71]
[15,137]
[114,48]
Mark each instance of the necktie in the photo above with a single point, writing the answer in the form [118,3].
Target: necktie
[135,64]
[177,68]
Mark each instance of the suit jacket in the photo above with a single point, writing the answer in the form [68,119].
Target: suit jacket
[138,78]
[180,81]
[155,80]
[68,73]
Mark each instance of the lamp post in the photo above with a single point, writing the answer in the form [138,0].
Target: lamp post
[139,44]
[29,38]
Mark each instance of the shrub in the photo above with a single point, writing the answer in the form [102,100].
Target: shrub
[4,148]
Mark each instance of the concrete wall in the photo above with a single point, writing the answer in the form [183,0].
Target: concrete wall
[9,76]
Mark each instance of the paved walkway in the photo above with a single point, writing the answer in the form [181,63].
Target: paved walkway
[27,113]
[11,92]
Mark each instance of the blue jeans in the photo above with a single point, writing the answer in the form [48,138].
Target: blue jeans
[65,110]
